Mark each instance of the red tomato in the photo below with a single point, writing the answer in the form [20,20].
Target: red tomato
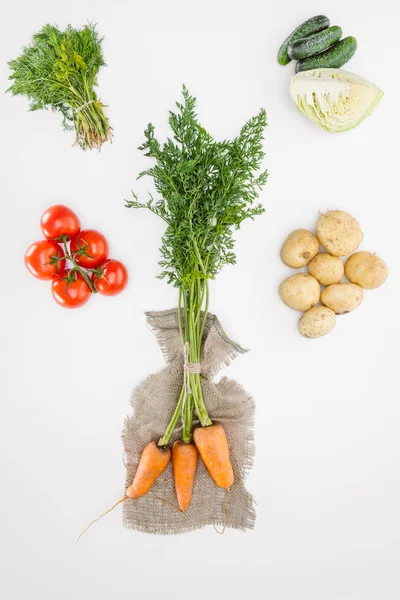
[39,259]
[95,246]
[70,295]
[59,220]
[113,279]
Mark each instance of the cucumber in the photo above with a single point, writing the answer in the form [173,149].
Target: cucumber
[307,28]
[314,44]
[333,58]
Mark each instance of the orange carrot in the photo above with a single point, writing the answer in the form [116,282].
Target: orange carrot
[152,463]
[212,445]
[184,464]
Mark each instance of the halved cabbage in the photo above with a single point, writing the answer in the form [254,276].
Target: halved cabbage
[334,99]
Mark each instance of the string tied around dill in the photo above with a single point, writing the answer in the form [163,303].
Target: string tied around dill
[84,105]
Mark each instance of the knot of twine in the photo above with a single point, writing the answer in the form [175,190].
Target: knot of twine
[188,367]
[84,105]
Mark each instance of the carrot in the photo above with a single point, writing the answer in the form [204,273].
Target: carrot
[153,462]
[184,464]
[212,445]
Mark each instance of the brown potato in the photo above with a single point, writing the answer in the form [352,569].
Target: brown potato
[327,269]
[317,321]
[342,297]
[366,269]
[299,248]
[339,233]
[300,291]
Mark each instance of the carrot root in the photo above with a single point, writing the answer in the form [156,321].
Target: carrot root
[177,508]
[153,462]
[224,513]
[101,516]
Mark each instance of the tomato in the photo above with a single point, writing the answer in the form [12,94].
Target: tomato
[59,220]
[70,295]
[95,247]
[113,280]
[39,259]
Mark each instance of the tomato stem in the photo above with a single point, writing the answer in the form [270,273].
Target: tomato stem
[76,267]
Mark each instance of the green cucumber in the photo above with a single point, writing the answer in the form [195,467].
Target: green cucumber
[314,44]
[307,28]
[333,58]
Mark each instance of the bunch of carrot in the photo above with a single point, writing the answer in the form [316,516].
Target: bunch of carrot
[210,442]
[206,190]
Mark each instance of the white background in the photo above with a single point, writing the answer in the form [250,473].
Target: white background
[326,476]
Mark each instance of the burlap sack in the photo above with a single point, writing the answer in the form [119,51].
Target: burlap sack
[153,403]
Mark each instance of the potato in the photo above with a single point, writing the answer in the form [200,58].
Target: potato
[317,321]
[339,233]
[366,269]
[327,269]
[300,291]
[342,297]
[299,248]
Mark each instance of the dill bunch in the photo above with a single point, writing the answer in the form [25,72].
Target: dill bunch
[206,190]
[59,71]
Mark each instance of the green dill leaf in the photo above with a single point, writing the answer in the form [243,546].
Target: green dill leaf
[59,71]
